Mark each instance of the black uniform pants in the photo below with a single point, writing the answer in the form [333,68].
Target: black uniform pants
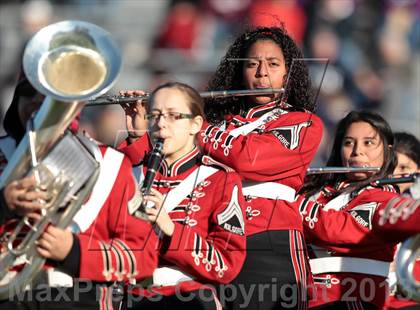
[274,275]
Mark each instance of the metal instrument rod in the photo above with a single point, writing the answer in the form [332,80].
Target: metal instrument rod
[324,170]
[406,178]
[241,93]
[32,148]
[118,99]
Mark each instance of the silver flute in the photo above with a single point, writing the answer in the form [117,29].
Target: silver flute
[324,170]
[396,179]
[120,99]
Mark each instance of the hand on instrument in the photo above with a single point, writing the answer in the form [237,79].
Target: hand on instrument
[23,198]
[55,243]
[157,214]
[134,115]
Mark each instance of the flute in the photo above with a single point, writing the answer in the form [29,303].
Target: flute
[405,178]
[324,170]
[119,99]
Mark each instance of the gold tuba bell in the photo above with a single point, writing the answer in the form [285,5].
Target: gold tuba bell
[69,62]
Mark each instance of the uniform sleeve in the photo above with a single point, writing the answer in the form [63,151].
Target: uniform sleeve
[129,251]
[136,151]
[329,227]
[399,216]
[278,152]
[376,214]
[219,255]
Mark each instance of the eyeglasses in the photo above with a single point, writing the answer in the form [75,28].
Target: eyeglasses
[168,116]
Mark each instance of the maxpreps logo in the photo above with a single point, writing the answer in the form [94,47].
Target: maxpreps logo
[289,136]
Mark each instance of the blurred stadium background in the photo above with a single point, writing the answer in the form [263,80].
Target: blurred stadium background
[372,47]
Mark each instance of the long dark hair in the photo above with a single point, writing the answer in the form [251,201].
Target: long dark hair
[335,160]
[228,75]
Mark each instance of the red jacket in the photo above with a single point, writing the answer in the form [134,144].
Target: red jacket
[278,150]
[208,244]
[116,246]
[353,242]
[109,243]
[398,210]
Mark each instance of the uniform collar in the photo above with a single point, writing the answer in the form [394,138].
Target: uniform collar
[332,189]
[260,110]
[182,164]
[341,185]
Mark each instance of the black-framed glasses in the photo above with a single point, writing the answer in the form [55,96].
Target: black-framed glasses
[168,116]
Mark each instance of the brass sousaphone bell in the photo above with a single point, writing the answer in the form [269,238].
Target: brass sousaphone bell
[69,62]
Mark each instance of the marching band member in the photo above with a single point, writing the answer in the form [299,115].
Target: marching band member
[25,101]
[270,141]
[20,197]
[198,207]
[345,218]
[109,244]
[408,154]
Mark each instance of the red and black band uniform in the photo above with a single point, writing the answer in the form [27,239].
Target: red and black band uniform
[352,242]
[271,147]
[397,298]
[208,244]
[109,245]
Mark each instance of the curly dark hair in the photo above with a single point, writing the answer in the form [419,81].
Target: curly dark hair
[228,75]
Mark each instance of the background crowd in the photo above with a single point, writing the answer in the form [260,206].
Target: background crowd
[362,54]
